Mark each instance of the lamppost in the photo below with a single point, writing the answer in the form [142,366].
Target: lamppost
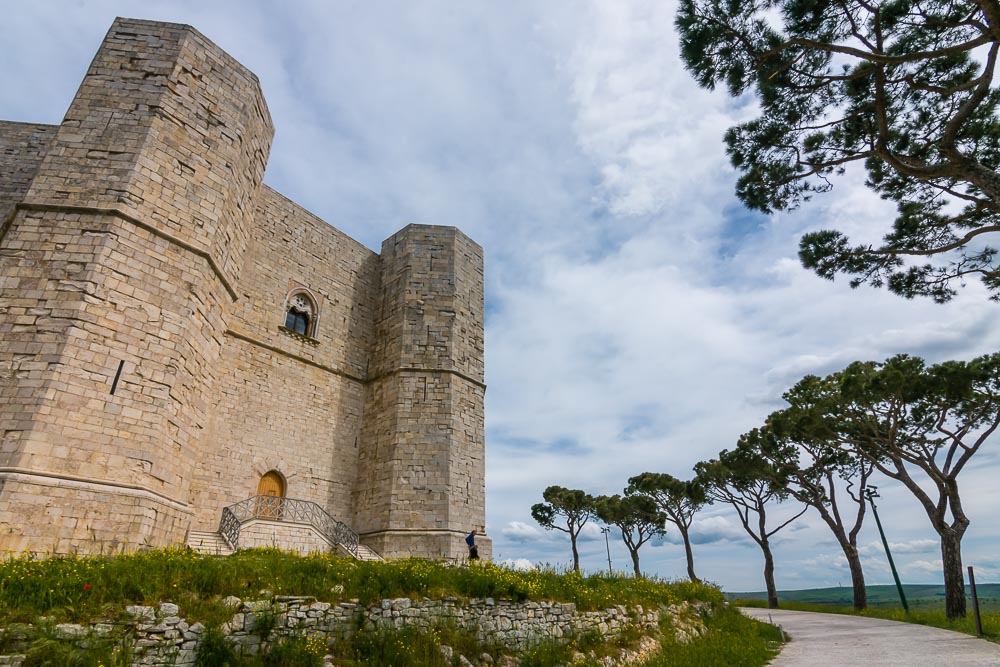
[606,530]
[871,493]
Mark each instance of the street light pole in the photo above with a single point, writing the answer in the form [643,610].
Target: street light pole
[606,530]
[871,493]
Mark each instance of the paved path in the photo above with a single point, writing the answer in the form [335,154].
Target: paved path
[841,641]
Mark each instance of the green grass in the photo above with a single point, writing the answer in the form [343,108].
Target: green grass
[83,589]
[932,617]
[733,640]
[86,588]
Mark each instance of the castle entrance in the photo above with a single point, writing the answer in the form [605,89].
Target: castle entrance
[270,495]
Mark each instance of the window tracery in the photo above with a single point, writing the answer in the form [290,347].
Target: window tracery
[301,314]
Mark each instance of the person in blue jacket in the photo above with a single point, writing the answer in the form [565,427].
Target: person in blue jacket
[470,539]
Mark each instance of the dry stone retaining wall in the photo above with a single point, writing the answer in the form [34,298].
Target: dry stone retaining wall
[162,637]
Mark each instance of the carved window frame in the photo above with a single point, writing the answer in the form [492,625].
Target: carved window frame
[293,302]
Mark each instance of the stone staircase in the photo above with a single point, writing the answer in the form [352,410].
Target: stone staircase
[298,525]
[208,543]
[365,553]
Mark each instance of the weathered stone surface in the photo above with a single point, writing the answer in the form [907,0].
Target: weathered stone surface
[168,609]
[423,435]
[139,249]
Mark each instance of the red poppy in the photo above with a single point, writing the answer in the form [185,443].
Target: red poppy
[86,587]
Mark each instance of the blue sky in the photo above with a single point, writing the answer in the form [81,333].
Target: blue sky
[638,318]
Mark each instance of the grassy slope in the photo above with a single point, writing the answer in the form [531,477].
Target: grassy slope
[85,589]
[731,641]
[81,589]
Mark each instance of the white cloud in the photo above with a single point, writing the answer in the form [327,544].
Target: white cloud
[708,530]
[923,568]
[987,571]
[909,547]
[517,531]
[591,531]
[633,110]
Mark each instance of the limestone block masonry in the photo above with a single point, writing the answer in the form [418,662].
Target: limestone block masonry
[299,538]
[147,376]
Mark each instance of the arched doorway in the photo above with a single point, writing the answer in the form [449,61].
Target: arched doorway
[270,492]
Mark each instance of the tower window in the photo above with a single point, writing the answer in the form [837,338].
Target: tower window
[300,315]
[297,321]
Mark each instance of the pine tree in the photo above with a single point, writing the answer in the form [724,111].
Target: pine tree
[902,88]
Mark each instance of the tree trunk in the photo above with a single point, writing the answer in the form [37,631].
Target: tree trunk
[635,562]
[576,555]
[954,577]
[690,555]
[857,577]
[772,592]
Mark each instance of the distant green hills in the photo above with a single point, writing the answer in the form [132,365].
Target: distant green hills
[919,596]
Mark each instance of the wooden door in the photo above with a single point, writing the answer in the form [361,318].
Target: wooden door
[272,486]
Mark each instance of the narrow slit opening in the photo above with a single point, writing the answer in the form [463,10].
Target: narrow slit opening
[118,374]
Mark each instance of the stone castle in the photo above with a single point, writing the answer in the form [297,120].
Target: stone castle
[185,352]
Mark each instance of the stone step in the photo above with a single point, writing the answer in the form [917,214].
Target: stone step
[366,553]
[209,543]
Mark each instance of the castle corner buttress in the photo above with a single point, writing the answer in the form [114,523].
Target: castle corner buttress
[185,353]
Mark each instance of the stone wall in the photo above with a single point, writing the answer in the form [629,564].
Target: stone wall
[162,637]
[22,147]
[170,129]
[300,538]
[285,402]
[146,378]
[292,248]
[121,258]
[421,457]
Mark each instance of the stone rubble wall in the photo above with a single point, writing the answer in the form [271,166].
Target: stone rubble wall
[162,637]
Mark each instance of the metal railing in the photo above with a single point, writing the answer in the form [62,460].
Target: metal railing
[277,508]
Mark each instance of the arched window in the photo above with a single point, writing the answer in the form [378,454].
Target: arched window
[300,314]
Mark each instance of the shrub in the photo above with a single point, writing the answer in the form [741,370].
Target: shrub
[215,651]
[296,652]
[50,649]
[407,647]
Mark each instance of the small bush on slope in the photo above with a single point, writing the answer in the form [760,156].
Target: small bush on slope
[732,640]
